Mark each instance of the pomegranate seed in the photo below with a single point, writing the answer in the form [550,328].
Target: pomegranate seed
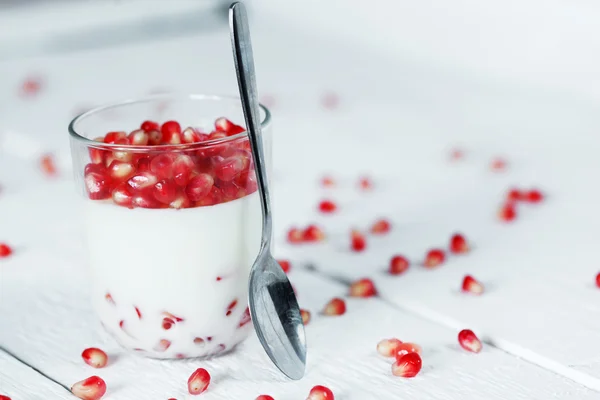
[209,338]
[229,168]
[456,154]
[434,258]
[230,307]
[145,200]
[305,316]
[48,166]
[498,164]
[92,388]
[154,138]
[199,187]
[121,324]
[138,312]
[95,357]
[363,288]
[507,212]
[199,341]
[149,126]
[198,381]
[320,393]
[139,138]
[398,265]
[214,136]
[121,171]
[162,166]
[170,129]
[381,226]
[336,306]
[5,250]
[245,318]
[407,366]
[189,135]
[3,397]
[471,285]
[112,137]
[458,244]
[181,201]
[175,139]
[215,196]
[357,241]
[31,86]
[515,195]
[533,196]
[388,347]
[285,265]
[165,191]
[406,347]
[327,181]
[171,316]
[167,323]
[468,341]
[122,195]
[327,206]
[108,297]
[143,164]
[597,276]
[224,125]
[313,234]
[142,181]
[365,183]
[295,235]
[97,182]
[182,169]
[264,397]
[162,345]
[97,155]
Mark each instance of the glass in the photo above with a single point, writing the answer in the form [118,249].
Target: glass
[173,221]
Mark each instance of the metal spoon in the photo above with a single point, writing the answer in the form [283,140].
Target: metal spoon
[273,306]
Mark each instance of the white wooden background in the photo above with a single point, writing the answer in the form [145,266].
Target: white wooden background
[399,114]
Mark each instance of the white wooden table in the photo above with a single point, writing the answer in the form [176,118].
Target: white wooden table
[396,121]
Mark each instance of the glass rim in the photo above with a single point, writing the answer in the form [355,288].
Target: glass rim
[265,123]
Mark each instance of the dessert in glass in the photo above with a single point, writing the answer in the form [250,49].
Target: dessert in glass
[172,219]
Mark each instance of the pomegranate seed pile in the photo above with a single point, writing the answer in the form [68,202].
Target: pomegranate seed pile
[169,178]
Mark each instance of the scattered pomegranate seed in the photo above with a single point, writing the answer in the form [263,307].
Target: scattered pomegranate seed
[31,86]
[149,126]
[514,195]
[336,306]
[245,319]
[471,285]
[138,312]
[305,316]
[199,341]
[3,397]
[48,166]
[162,345]
[597,276]
[407,366]
[398,265]
[388,347]
[198,381]
[285,265]
[327,181]
[406,347]
[327,206]
[295,235]
[498,164]
[320,393]
[230,307]
[457,154]
[313,234]
[330,101]
[458,244]
[108,297]
[468,341]
[92,388]
[171,316]
[533,196]
[264,397]
[381,226]
[363,288]
[94,357]
[434,258]
[358,242]
[507,212]
[5,250]
[365,183]
[170,129]
[167,323]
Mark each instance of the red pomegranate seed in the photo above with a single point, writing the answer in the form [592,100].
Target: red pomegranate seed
[167,323]
[142,181]
[121,171]
[162,166]
[31,86]
[533,196]
[97,155]
[456,154]
[122,195]
[121,324]
[285,265]
[138,312]
[224,125]
[189,135]
[145,200]
[230,307]
[597,276]
[515,195]
[182,169]
[507,212]
[336,306]
[245,318]
[458,244]
[264,397]
[363,288]
[468,341]
[162,345]
[165,191]
[143,164]
[406,347]
[229,168]
[209,338]
[365,183]
[471,285]
[3,397]
[498,164]
[305,316]
[108,297]
[199,187]
[198,381]
[92,388]
[327,206]
[154,138]
[320,393]
[95,357]
[113,137]
[139,138]
[398,265]
[214,136]
[148,126]
[97,182]
[313,234]
[358,242]
[48,166]
[381,226]
[407,366]
[327,181]
[173,317]
[295,235]
[5,250]
[215,196]
[169,129]
[388,347]
[181,201]
[199,341]
[434,258]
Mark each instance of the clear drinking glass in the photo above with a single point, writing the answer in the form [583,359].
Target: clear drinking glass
[172,229]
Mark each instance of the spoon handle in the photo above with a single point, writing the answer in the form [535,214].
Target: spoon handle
[246,75]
